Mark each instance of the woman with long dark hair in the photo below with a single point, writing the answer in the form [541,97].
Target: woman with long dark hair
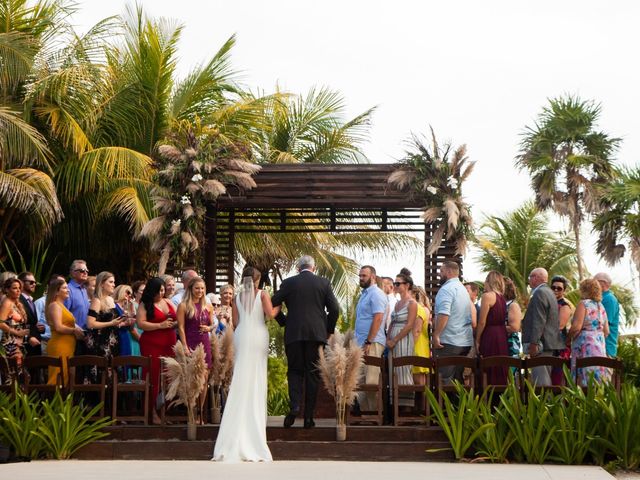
[156,318]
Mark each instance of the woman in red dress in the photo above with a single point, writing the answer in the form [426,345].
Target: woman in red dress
[156,318]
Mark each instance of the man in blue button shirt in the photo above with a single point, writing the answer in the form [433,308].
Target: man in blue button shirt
[612,307]
[78,301]
[452,333]
[370,328]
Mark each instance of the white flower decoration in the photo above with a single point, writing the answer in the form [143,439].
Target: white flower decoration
[185,200]
[196,178]
[453,183]
[176,223]
[432,190]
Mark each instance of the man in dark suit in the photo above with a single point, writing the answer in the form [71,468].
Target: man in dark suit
[33,346]
[312,313]
[540,326]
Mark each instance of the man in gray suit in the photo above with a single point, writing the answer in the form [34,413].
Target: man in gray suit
[540,327]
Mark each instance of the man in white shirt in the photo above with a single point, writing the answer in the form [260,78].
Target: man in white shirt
[187,276]
[387,288]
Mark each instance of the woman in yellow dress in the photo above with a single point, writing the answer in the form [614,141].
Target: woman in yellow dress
[421,334]
[64,331]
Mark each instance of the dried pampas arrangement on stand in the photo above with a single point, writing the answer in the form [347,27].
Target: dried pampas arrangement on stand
[221,370]
[341,363]
[187,377]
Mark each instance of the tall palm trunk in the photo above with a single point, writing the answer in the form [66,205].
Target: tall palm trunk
[575,223]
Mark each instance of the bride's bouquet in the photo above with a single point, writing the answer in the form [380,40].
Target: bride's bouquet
[340,365]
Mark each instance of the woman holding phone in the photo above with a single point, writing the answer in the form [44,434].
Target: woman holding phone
[103,321]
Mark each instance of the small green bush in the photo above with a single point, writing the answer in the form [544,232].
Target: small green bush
[54,428]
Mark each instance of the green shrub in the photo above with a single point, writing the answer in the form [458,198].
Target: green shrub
[629,354]
[53,428]
[494,444]
[459,422]
[66,427]
[19,418]
[277,403]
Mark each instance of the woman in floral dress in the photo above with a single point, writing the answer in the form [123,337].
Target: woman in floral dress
[588,331]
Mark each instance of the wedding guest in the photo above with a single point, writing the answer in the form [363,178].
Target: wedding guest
[123,297]
[4,276]
[612,307]
[187,276]
[195,324]
[387,288]
[64,331]
[223,312]
[42,319]
[559,285]
[588,331]
[452,331]
[369,329]
[90,285]
[169,286]
[514,318]
[474,293]
[540,330]
[491,333]
[103,322]
[421,334]
[13,321]
[33,343]
[78,300]
[137,288]
[156,318]
[400,335]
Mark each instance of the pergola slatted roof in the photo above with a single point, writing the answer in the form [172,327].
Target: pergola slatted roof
[292,198]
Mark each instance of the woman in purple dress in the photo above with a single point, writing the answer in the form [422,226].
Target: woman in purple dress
[195,323]
[491,333]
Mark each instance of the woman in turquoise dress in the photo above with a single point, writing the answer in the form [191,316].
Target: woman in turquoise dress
[588,331]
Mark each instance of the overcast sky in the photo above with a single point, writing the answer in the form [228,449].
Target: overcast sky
[478,72]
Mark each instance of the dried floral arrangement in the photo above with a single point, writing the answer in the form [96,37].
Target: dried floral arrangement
[341,364]
[221,371]
[186,378]
[434,174]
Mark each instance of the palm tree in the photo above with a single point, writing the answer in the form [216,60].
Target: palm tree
[620,219]
[519,241]
[567,159]
[311,128]
[435,177]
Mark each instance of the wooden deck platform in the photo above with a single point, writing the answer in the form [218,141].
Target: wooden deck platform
[364,443]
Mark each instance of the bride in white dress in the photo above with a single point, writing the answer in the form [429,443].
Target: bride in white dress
[243,431]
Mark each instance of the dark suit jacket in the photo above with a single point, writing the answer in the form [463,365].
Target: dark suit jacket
[540,321]
[312,308]
[32,323]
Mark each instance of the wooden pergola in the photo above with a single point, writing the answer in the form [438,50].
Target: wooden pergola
[314,198]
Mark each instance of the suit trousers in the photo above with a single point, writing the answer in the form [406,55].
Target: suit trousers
[540,376]
[302,358]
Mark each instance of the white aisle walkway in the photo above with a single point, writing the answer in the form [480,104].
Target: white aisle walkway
[183,470]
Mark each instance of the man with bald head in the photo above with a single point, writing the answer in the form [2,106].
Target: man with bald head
[540,327]
[612,307]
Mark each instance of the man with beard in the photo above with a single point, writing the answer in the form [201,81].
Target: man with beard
[452,333]
[370,328]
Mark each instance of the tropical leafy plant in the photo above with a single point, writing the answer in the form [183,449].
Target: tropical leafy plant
[19,418]
[620,219]
[521,240]
[629,354]
[65,427]
[459,421]
[567,159]
[434,174]
[494,443]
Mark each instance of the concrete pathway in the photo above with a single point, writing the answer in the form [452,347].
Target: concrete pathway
[184,470]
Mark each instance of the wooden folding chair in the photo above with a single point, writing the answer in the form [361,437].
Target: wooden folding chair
[455,361]
[413,361]
[613,364]
[544,361]
[121,384]
[511,364]
[77,365]
[37,375]
[377,388]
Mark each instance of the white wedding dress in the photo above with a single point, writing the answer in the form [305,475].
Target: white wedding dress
[242,436]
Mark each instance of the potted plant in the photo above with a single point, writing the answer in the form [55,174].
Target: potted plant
[340,364]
